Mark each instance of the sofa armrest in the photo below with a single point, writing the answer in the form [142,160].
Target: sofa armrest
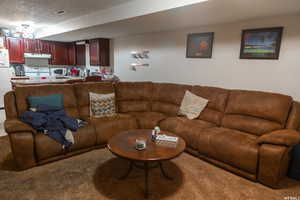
[22,146]
[273,164]
[285,137]
[16,126]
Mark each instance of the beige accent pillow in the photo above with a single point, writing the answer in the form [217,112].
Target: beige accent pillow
[102,105]
[192,105]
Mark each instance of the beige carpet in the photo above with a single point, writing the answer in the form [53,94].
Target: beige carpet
[93,176]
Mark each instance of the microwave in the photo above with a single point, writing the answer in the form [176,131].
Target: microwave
[58,71]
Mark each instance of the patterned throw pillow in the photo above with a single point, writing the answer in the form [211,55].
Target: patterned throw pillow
[102,105]
[192,105]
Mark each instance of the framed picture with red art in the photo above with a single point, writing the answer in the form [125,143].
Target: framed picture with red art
[199,45]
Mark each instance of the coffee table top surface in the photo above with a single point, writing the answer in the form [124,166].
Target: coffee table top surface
[123,145]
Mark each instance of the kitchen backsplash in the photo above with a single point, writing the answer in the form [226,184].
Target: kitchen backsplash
[39,67]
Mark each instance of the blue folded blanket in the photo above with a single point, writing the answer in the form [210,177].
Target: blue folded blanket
[52,121]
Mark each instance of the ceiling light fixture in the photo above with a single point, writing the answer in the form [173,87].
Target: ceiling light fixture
[25,30]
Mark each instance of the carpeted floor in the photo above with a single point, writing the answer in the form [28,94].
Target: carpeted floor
[93,176]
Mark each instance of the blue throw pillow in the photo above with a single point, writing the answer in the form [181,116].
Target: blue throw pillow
[55,100]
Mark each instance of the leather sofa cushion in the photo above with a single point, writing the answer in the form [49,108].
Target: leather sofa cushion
[166,108]
[253,125]
[108,127]
[269,106]
[167,97]
[82,94]
[188,129]
[215,108]
[70,103]
[134,96]
[46,147]
[85,137]
[115,117]
[256,112]
[230,146]
[133,106]
[148,120]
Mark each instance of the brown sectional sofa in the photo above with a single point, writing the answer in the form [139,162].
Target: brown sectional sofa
[250,133]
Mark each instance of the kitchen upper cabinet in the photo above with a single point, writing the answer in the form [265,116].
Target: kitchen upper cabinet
[80,55]
[71,54]
[44,46]
[59,52]
[99,52]
[31,46]
[36,46]
[16,50]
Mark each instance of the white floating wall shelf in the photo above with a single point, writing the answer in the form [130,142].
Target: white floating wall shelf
[138,56]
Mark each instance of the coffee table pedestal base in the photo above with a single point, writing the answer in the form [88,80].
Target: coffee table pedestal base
[146,166]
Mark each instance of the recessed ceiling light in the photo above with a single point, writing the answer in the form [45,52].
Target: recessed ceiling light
[60,12]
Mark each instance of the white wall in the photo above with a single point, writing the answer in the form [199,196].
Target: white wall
[225,69]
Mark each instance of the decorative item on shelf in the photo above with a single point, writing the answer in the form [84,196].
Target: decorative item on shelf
[199,45]
[146,54]
[263,43]
[139,56]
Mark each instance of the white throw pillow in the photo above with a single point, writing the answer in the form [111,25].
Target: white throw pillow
[192,105]
[102,105]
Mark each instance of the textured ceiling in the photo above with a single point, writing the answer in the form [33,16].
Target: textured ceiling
[85,19]
[211,12]
[44,11]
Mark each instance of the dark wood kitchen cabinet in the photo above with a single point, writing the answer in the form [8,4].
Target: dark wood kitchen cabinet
[59,51]
[44,46]
[99,52]
[16,50]
[80,55]
[31,46]
[36,46]
[71,54]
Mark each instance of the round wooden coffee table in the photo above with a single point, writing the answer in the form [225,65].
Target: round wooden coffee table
[123,145]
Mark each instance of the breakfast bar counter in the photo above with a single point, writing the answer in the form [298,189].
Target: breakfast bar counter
[62,80]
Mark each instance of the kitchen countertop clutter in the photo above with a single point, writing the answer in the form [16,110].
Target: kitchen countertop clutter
[20,81]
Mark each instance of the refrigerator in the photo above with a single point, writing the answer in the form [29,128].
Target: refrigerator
[5,75]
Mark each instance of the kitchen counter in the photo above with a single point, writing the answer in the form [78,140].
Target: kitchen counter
[59,80]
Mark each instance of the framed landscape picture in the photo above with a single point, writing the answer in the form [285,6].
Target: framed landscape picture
[261,43]
[199,45]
